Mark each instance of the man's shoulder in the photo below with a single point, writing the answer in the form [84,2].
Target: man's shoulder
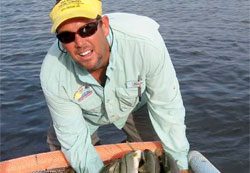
[51,60]
[54,66]
[133,24]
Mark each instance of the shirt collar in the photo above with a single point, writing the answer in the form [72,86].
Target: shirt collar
[112,42]
[83,75]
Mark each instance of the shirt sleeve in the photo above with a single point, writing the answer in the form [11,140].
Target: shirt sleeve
[165,105]
[73,134]
[70,126]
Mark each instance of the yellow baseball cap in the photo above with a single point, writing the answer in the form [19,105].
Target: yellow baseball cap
[68,9]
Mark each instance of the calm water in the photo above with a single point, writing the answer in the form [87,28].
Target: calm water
[210,48]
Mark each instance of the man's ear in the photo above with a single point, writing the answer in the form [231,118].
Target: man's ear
[105,25]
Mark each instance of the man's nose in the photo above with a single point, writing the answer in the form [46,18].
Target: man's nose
[79,41]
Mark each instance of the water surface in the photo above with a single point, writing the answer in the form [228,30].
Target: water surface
[209,45]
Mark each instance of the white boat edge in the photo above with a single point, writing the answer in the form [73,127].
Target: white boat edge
[200,164]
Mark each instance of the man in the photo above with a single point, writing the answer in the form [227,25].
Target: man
[103,70]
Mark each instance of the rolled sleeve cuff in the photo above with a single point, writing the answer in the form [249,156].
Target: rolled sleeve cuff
[182,161]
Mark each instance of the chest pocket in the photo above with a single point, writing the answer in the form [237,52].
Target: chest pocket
[92,105]
[127,98]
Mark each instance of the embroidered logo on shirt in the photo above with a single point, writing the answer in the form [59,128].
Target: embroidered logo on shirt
[82,93]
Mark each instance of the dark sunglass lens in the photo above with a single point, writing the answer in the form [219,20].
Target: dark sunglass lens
[66,37]
[88,29]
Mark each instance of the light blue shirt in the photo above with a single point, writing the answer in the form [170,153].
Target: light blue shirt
[79,104]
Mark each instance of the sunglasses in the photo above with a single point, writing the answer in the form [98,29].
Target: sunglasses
[86,30]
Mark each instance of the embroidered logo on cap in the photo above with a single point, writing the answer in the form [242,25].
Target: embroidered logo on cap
[82,93]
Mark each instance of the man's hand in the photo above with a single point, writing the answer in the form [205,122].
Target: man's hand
[185,171]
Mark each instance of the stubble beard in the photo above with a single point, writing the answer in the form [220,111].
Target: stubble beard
[97,65]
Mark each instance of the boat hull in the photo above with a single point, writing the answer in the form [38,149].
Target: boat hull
[56,159]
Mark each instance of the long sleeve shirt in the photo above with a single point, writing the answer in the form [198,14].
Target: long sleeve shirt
[139,64]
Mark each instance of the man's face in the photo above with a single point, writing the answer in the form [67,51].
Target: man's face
[91,52]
